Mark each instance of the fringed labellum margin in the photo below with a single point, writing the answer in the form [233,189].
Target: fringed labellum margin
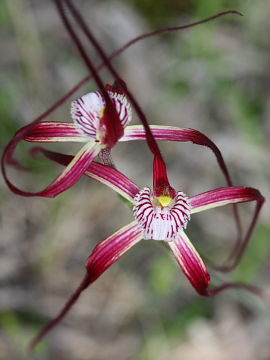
[161,218]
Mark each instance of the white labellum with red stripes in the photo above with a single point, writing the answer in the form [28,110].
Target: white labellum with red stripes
[87,112]
[161,218]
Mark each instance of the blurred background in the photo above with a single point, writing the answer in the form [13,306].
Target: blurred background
[214,78]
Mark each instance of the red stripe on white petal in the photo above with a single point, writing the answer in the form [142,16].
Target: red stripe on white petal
[102,173]
[86,113]
[191,263]
[157,222]
[110,250]
[223,196]
[122,106]
[49,131]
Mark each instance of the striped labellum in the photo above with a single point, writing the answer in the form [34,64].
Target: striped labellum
[161,218]
[88,111]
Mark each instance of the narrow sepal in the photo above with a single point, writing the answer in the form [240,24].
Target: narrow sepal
[102,173]
[68,177]
[103,256]
[50,131]
[110,250]
[223,196]
[191,263]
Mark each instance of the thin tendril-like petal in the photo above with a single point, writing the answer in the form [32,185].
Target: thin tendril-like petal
[153,146]
[103,256]
[104,174]
[235,285]
[225,196]
[67,178]
[149,137]
[116,53]
[110,116]
[7,156]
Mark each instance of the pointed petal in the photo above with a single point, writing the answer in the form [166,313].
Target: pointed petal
[86,113]
[68,177]
[73,171]
[223,196]
[191,263]
[104,174]
[103,256]
[110,250]
[49,131]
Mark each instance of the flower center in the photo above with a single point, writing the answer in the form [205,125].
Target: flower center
[161,218]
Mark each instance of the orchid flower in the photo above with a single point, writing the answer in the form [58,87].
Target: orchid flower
[161,214]
[96,125]
[99,118]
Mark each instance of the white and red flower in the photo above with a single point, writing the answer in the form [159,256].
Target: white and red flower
[158,217]
[100,120]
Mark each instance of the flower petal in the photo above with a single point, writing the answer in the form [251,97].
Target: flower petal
[86,113]
[104,174]
[67,178]
[191,263]
[50,131]
[195,270]
[223,196]
[103,256]
[110,250]
[73,171]
[120,102]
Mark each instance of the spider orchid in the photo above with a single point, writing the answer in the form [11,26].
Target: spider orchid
[99,118]
[161,214]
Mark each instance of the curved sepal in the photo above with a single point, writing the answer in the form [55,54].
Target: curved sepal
[225,196]
[102,173]
[72,173]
